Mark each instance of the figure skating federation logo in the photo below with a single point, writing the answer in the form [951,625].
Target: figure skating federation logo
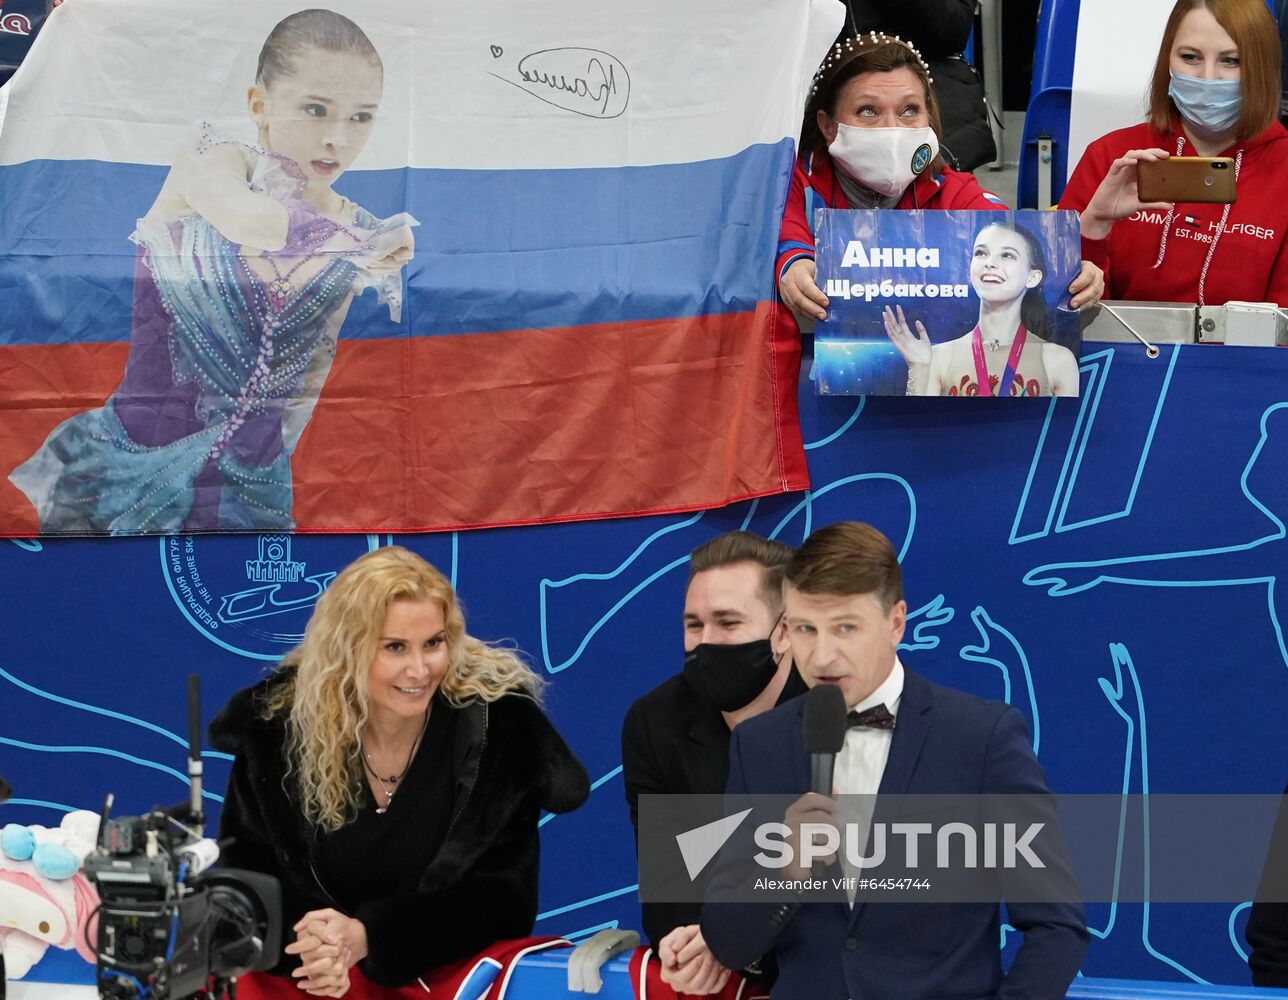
[921,159]
[254,595]
[275,564]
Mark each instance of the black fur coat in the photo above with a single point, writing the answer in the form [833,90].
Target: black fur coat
[480,887]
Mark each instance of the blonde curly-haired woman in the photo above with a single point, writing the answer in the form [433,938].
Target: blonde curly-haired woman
[390,773]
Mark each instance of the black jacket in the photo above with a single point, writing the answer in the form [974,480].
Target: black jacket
[674,743]
[481,886]
[939,29]
[1267,930]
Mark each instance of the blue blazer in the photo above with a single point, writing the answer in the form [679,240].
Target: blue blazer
[945,742]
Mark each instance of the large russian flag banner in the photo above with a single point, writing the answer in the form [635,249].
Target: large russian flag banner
[396,266]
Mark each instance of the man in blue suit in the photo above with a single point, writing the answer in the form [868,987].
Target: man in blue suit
[845,613]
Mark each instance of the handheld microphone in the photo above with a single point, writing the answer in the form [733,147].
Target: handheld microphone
[824,734]
[823,729]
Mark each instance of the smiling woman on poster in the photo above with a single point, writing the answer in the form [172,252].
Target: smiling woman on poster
[247,264]
[1009,352]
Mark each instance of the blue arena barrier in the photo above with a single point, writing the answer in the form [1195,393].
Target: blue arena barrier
[544,975]
[1046,125]
[1139,989]
[1089,596]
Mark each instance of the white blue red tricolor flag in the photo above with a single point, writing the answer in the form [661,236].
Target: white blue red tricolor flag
[396,266]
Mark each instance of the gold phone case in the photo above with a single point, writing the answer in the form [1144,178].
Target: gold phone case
[1193,179]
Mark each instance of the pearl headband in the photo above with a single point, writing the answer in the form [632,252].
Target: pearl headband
[847,47]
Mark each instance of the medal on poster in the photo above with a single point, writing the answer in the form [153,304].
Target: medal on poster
[1012,362]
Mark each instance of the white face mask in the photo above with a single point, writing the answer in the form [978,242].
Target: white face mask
[886,160]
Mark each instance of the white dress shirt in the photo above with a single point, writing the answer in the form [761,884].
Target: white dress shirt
[862,761]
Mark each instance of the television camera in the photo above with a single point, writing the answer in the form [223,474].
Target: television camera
[170,925]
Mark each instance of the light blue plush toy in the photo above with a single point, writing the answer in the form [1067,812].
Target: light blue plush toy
[52,860]
[45,901]
[17,842]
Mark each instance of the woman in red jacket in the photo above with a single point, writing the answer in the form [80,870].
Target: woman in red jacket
[870,139]
[1215,92]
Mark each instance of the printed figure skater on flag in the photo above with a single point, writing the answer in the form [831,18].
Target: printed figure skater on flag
[1009,352]
[247,264]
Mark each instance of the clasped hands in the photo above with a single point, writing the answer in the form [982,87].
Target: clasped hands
[329,944]
[687,963]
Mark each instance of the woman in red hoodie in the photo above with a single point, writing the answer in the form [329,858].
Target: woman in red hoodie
[1215,92]
[870,139]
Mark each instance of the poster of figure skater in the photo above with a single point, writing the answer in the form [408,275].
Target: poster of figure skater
[948,303]
[246,265]
[383,266]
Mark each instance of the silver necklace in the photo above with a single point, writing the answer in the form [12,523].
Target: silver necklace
[393,778]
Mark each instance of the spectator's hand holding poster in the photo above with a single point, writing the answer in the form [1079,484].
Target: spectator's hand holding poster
[947,303]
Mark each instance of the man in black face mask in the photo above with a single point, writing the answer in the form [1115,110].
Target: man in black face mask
[675,739]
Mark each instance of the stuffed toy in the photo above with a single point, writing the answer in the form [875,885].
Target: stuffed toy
[44,898]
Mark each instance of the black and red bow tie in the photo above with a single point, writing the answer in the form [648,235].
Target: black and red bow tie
[876,717]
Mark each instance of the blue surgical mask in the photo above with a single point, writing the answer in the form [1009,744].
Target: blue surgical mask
[1209,106]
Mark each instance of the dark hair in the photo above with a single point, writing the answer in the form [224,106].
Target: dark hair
[853,57]
[745,546]
[1251,26]
[848,558]
[1034,313]
[317,29]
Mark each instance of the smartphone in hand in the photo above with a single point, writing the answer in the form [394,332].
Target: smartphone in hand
[1187,179]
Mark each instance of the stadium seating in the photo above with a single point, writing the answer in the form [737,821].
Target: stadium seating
[1044,152]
